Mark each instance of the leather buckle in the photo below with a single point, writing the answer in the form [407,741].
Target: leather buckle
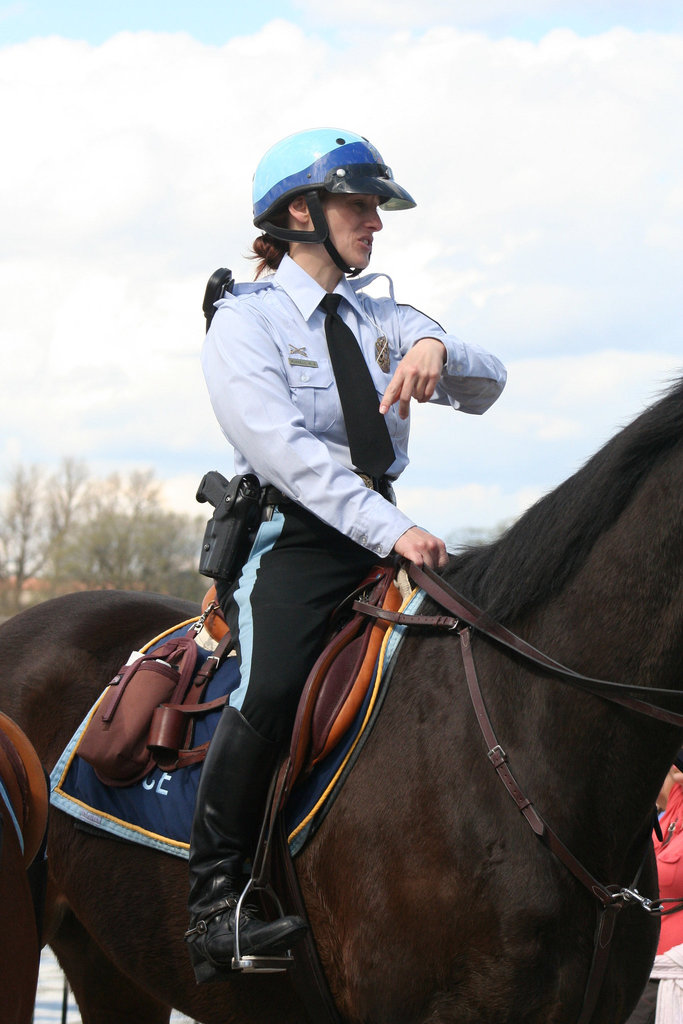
[497,756]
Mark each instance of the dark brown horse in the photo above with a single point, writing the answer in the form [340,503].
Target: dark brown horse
[23,819]
[430,898]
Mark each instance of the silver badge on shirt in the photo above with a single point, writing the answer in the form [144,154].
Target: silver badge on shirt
[382,353]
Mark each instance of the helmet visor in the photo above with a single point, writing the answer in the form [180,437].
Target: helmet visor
[369,180]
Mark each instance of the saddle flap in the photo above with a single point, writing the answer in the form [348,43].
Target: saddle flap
[339,679]
[348,680]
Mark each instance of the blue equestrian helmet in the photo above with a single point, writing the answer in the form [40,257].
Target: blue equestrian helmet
[323,158]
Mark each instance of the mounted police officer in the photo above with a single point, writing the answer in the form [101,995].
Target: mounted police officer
[311,380]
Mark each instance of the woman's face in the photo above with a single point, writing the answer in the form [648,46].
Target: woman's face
[353,221]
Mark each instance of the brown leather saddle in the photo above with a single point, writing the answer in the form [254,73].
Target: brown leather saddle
[338,681]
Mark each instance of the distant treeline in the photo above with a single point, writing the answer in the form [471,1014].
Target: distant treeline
[68,531]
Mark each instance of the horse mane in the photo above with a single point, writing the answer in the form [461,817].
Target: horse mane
[537,556]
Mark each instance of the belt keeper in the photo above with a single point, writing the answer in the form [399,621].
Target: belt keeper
[497,756]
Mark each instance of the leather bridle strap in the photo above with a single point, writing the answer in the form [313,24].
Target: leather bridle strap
[636,698]
[612,900]
[598,687]
[499,760]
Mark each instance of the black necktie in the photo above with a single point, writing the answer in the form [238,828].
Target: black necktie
[369,443]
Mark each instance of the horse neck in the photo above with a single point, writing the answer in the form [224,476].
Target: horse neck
[620,618]
[593,767]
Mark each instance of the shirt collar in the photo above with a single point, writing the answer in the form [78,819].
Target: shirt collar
[305,292]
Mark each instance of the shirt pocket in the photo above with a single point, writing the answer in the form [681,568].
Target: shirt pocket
[313,392]
[669,866]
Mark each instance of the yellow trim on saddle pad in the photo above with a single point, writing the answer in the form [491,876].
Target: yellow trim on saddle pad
[168,632]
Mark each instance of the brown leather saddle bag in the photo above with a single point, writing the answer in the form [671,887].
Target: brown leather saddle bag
[144,719]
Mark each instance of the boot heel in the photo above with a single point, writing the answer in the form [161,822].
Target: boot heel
[204,970]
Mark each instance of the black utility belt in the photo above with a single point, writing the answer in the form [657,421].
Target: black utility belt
[272,496]
[239,506]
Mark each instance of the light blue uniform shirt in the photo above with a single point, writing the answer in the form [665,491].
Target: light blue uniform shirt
[272,388]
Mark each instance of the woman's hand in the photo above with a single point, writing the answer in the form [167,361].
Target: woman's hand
[416,376]
[422,548]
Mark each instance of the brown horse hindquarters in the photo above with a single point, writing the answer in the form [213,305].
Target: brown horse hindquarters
[23,820]
[19,943]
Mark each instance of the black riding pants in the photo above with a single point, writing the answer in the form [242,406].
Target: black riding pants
[298,571]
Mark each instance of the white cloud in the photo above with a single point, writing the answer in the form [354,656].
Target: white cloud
[549,229]
[455,512]
[554,414]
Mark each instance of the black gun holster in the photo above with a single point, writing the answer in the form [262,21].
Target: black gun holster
[230,531]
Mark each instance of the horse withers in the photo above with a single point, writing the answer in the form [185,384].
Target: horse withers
[430,899]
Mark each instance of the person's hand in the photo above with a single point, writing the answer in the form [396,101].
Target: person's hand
[416,376]
[422,548]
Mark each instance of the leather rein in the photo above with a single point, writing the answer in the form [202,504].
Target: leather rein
[465,617]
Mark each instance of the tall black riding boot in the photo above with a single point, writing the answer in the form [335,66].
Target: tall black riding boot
[230,804]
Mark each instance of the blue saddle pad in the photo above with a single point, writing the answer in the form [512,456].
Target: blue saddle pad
[158,810]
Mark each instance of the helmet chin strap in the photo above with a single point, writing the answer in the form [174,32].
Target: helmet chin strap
[315,208]
[320,233]
[344,267]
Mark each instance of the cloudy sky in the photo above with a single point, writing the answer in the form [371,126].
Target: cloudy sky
[542,140]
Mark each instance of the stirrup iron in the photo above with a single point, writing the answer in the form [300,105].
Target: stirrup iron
[253,963]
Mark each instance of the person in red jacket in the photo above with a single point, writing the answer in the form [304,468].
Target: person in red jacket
[666,982]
